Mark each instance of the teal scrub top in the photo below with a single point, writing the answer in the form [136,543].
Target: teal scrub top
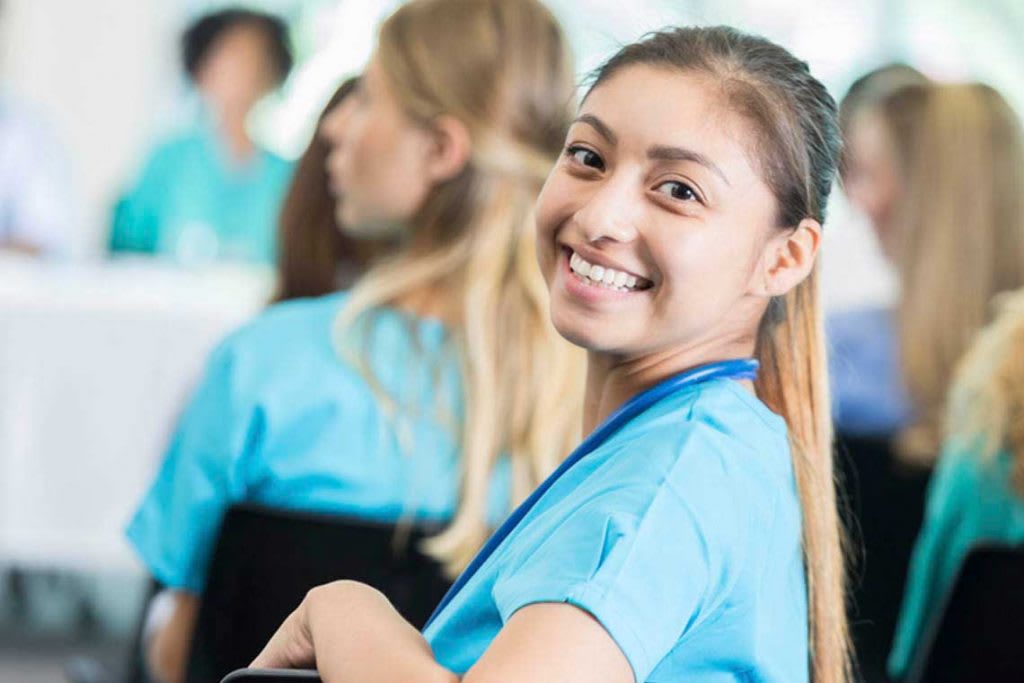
[281,418]
[970,502]
[194,204]
[681,535]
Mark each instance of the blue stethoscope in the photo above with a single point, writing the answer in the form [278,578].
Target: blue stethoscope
[737,369]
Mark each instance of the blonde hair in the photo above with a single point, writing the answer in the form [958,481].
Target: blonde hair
[798,150]
[502,68]
[986,405]
[962,225]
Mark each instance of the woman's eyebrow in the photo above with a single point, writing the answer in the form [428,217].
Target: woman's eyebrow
[667,153]
[597,124]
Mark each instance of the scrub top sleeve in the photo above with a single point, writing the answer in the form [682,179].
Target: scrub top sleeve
[932,564]
[175,526]
[648,565]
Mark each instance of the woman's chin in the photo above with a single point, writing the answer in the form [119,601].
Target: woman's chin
[586,334]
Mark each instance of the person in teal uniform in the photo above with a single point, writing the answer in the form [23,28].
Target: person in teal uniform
[378,402]
[976,495]
[209,192]
[693,535]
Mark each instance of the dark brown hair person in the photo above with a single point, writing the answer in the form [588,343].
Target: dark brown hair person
[314,256]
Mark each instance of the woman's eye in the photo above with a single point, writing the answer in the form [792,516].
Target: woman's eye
[678,190]
[585,157]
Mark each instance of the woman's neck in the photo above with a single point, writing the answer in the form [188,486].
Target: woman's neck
[613,379]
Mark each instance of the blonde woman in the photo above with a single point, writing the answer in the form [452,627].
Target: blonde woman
[977,491]
[954,230]
[693,535]
[398,399]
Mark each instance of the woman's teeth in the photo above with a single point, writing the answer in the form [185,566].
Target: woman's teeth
[600,275]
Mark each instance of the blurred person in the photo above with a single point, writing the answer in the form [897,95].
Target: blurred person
[869,396]
[314,255]
[36,213]
[942,141]
[381,402]
[977,493]
[955,230]
[209,191]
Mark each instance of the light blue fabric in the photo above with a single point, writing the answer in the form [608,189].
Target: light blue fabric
[970,502]
[195,204]
[869,396]
[680,534]
[280,420]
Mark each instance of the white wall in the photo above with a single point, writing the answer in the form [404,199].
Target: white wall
[98,71]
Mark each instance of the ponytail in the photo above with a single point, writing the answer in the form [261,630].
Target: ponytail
[793,382]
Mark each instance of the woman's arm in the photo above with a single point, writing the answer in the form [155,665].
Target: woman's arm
[168,649]
[554,643]
[352,634]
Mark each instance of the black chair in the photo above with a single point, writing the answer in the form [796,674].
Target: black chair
[886,507]
[979,635]
[265,561]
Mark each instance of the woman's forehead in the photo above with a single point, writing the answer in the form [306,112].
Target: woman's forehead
[646,106]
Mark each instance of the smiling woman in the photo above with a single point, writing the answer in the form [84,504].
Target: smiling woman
[693,535]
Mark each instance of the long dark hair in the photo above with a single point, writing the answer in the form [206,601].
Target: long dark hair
[798,148]
[314,256]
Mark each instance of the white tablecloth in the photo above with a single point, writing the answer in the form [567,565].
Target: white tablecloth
[95,363]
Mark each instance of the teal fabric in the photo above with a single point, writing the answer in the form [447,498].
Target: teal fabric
[194,204]
[680,535]
[970,502]
[280,418]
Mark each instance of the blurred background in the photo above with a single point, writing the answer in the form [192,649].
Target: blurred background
[99,346]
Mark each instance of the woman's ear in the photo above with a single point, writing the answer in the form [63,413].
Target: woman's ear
[450,148]
[788,258]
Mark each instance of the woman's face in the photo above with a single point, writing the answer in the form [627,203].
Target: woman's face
[378,161]
[238,69]
[872,179]
[656,197]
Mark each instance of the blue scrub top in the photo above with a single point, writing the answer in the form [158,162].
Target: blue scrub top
[681,535]
[282,419]
[971,502]
[869,397]
[195,204]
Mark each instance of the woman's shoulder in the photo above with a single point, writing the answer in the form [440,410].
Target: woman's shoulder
[298,321]
[716,446]
[285,337]
[720,418]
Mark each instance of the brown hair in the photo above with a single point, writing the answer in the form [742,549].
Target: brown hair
[798,151]
[873,89]
[962,234]
[314,256]
[502,68]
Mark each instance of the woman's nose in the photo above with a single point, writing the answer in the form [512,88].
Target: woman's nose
[611,213]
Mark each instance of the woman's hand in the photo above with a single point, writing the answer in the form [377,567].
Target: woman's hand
[291,646]
[352,634]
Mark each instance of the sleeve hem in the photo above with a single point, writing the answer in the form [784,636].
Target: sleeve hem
[588,599]
[164,574]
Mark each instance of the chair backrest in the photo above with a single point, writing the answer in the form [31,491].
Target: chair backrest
[979,636]
[266,560]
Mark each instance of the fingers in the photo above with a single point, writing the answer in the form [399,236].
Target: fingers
[289,648]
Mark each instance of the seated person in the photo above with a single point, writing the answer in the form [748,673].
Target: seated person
[977,492]
[209,192]
[381,402]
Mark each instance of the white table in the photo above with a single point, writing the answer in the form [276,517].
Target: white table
[95,363]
